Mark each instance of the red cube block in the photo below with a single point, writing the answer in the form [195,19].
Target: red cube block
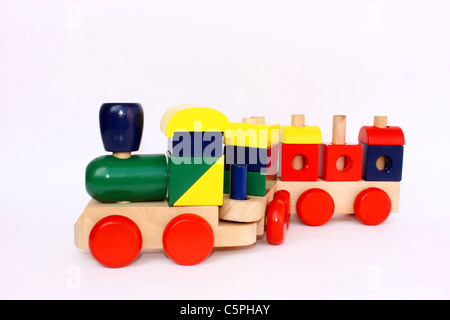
[299,162]
[350,157]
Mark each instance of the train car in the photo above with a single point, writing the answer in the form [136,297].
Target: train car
[227,184]
[354,178]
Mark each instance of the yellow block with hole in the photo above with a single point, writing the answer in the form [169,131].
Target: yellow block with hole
[207,190]
[191,117]
[252,135]
[301,135]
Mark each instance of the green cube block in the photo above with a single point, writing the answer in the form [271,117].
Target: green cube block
[256,183]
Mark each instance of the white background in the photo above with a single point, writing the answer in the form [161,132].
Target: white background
[60,60]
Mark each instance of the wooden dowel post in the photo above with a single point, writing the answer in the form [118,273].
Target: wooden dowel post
[339,125]
[380,122]
[122,155]
[254,120]
[249,120]
[258,119]
[298,120]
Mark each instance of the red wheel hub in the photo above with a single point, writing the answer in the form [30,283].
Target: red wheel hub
[285,196]
[275,224]
[188,239]
[372,206]
[115,241]
[315,207]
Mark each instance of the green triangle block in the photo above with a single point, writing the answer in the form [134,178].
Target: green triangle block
[184,172]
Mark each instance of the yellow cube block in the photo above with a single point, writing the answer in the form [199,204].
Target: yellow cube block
[252,135]
[301,135]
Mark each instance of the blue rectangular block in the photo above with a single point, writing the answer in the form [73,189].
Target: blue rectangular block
[393,163]
[256,159]
[196,144]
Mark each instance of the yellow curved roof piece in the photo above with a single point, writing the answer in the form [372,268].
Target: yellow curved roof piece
[301,135]
[191,117]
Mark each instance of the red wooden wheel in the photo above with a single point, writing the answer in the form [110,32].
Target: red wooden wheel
[372,206]
[275,224]
[315,207]
[188,239]
[285,196]
[115,241]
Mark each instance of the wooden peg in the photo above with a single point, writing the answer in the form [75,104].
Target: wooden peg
[258,119]
[380,122]
[339,124]
[122,155]
[298,120]
[248,120]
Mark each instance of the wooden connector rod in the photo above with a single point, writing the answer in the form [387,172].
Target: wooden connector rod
[380,122]
[122,155]
[258,119]
[298,120]
[339,123]
[249,120]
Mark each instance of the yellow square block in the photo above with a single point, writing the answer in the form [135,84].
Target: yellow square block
[252,135]
[301,135]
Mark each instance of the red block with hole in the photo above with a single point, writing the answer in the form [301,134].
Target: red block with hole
[299,162]
[350,158]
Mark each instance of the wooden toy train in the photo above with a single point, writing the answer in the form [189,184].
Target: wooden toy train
[225,184]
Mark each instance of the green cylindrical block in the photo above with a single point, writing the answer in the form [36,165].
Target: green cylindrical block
[139,178]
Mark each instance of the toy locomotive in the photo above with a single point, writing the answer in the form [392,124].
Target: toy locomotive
[226,184]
